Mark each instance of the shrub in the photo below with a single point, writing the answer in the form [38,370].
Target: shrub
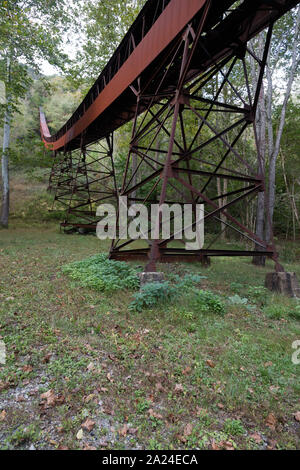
[275,311]
[152,294]
[258,294]
[236,287]
[207,301]
[234,427]
[103,274]
[237,300]
[242,301]
[295,312]
[188,281]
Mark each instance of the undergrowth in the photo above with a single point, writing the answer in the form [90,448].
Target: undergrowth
[152,294]
[103,274]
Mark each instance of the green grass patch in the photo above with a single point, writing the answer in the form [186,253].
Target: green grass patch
[100,273]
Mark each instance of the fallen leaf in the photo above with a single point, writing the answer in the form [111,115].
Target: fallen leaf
[20,398]
[91,366]
[89,398]
[88,424]
[79,435]
[47,358]
[256,437]
[154,414]
[63,447]
[188,429]
[271,421]
[179,388]
[227,445]
[215,446]
[2,415]
[27,368]
[49,397]
[210,363]
[159,387]
[109,377]
[200,411]
[107,410]
[123,431]
[297,416]
[220,406]
[187,370]
[272,444]
[268,364]
[132,431]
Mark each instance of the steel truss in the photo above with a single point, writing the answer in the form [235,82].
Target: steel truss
[81,180]
[202,114]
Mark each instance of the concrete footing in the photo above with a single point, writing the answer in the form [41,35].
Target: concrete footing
[284,283]
[145,278]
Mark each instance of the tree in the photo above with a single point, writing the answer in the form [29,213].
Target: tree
[288,180]
[282,67]
[30,30]
[105,24]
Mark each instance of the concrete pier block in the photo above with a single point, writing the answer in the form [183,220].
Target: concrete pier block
[145,278]
[284,283]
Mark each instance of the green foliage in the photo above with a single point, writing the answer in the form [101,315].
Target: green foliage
[237,300]
[23,434]
[152,294]
[234,427]
[188,281]
[100,273]
[155,293]
[275,311]
[236,287]
[29,32]
[242,301]
[207,301]
[37,209]
[258,294]
[295,312]
[104,24]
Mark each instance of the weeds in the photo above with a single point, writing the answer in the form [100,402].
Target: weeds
[207,301]
[100,273]
[152,294]
[234,427]
[183,358]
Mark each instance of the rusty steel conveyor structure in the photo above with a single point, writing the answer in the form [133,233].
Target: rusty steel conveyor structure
[171,76]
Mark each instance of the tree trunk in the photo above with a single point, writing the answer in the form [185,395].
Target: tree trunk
[260,138]
[274,148]
[260,223]
[5,169]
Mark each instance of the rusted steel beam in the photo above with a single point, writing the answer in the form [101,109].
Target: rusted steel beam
[160,73]
[238,27]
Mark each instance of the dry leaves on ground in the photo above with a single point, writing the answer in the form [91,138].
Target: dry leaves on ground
[89,424]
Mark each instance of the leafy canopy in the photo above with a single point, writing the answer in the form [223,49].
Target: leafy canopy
[30,31]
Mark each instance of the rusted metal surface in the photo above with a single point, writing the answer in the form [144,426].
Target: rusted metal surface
[173,19]
[241,26]
[162,72]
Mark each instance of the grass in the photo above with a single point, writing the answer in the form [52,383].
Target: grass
[172,376]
